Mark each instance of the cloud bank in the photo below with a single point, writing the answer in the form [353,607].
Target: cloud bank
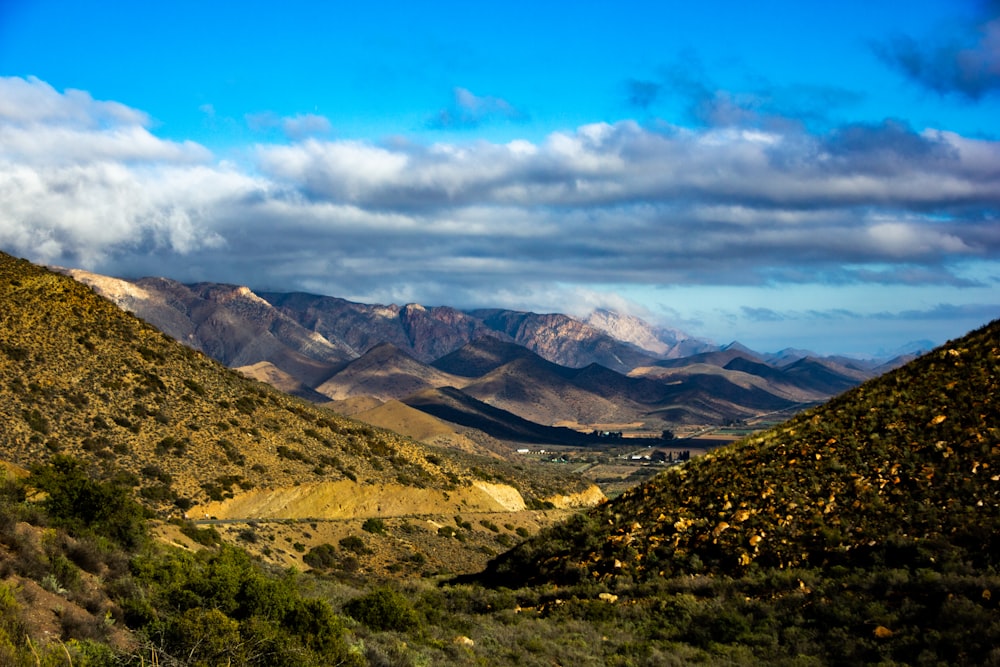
[967,66]
[87,183]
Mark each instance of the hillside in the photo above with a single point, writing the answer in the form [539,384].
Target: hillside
[902,471]
[384,372]
[452,405]
[80,376]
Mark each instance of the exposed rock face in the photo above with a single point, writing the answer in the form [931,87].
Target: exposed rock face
[350,500]
[228,323]
[588,498]
[564,340]
[346,500]
[426,333]
[663,341]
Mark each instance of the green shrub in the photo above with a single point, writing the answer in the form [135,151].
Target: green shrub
[383,609]
[321,557]
[354,544]
[374,526]
[78,501]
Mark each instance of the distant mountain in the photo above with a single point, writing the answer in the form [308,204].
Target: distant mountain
[663,341]
[545,368]
[481,356]
[452,405]
[900,472]
[229,323]
[425,333]
[384,372]
[564,340]
[223,320]
[718,357]
[913,348]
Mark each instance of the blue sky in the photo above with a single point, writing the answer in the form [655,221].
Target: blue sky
[817,175]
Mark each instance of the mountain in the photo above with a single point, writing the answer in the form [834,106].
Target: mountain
[80,376]
[229,323]
[901,470]
[426,333]
[384,372]
[564,340]
[451,405]
[330,329]
[665,342]
[480,356]
[419,425]
[548,368]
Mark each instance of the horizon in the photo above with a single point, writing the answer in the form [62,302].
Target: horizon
[781,176]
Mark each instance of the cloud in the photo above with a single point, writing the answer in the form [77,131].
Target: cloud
[761,104]
[968,66]
[642,94]
[479,223]
[82,180]
[33,102]
[469,110]
[296,127]
[762,314]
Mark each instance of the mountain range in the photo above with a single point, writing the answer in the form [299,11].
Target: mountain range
[607,371]
[861,531]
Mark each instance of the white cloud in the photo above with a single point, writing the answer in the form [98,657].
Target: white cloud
[32,102]
[87,182]
[305,125]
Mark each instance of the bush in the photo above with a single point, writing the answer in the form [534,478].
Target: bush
[374,526]
[353,543]
[383,609]
[78,501]
[321,557]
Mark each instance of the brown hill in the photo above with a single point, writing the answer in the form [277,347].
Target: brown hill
[425,333]
[228,323]
[481,356]
[384,372]
[419,425]
[540,391]
[452,405]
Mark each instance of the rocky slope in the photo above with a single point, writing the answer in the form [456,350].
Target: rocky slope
[665,342]
[902,471]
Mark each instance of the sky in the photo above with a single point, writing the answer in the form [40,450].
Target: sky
[813,175]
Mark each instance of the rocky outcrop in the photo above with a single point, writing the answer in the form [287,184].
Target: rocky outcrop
[345,499]
[564,340]
[665,342]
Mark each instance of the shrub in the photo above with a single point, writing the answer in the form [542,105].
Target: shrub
[353,543]
[321,557]
[374,526]
[383,609]
[78,501]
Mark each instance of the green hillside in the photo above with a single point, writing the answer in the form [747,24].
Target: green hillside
[865,531]
[904,469]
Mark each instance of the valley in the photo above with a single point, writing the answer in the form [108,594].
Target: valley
[475,502]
